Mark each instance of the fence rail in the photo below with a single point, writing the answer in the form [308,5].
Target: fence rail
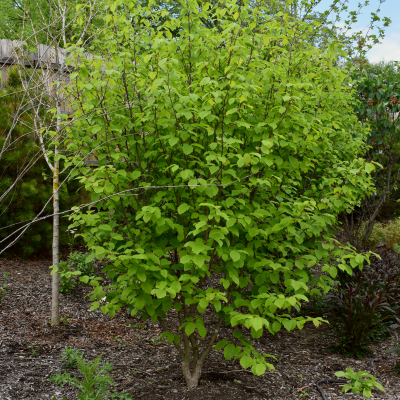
[12,52]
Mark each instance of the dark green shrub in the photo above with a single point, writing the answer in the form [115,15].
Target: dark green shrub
[362,308]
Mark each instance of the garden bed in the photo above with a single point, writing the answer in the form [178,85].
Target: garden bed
[144,366]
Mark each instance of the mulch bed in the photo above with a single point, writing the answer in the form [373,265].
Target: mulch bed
[30,352]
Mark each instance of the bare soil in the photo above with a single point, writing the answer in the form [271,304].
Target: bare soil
[30,352]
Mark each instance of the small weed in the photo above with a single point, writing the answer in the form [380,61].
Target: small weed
[156,340]
[117,339]
[34,350]
[304,394]
[69,357]
[65,320]
[139,326]
[300,377]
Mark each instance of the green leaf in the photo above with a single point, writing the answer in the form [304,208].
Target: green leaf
[229,351]
[202,330]
[105,227]
[257,323]
[205,81]
[258,369]
[187,149]
[220,344]
[189,328]
[247,361]
[235,255]
[203,303]
[183,208]
[173,141]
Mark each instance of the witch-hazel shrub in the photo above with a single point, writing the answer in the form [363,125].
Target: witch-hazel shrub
[225,155]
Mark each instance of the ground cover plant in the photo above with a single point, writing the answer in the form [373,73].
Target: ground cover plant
[237,150]
[360,382]
[96,381]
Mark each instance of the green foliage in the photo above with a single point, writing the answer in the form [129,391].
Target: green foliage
[360,382]
[234,154]
[378,92]
[31,20]
[34,350]
[69,357]
[34,187]
[388,233]
[69,270]
[96,380]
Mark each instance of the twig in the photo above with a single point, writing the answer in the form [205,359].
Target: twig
[301,389]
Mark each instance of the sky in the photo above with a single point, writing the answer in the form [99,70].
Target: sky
[389,48]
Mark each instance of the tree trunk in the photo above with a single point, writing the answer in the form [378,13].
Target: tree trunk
[192,377]
[55,306]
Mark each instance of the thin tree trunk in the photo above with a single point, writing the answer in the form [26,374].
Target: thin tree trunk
[55,305]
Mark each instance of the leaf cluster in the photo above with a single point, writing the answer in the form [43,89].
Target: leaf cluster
[360,382]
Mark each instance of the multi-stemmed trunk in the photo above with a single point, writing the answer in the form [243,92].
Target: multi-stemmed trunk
[192,357]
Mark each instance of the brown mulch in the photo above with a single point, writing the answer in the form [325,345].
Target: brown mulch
[30,352]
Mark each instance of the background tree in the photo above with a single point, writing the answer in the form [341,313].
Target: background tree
[378,92]
[227,150]
[42,90]
[24,170]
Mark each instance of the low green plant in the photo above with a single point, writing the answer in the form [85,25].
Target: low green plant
[34,350]
[389,234]
[75,265]
[360,382]
[3,285]
[117,339]
[69,357]
[96,381]
[156,340]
